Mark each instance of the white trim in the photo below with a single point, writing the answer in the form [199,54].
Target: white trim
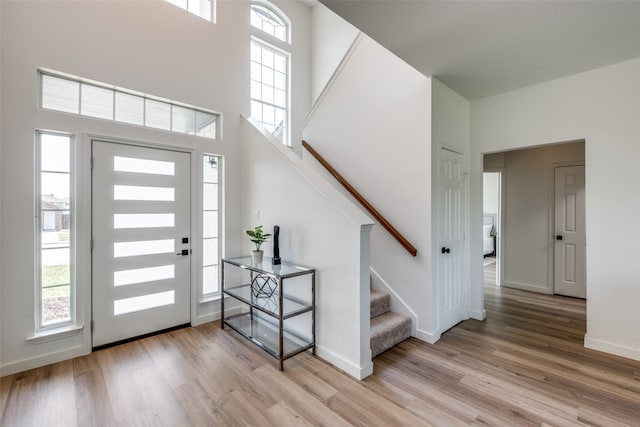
[55,334]
[139,143]
[429,337]
[358,372]
[333,78]
[527,287]
[215,314]
[47,359]
[611,348]
[477,314]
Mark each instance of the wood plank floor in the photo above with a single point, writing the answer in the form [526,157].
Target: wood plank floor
[524,366]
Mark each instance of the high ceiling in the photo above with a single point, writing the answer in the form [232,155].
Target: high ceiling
[482,48]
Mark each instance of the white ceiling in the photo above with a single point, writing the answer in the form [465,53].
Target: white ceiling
[482,48]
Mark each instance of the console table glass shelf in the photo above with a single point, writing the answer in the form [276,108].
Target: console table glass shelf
[268,305]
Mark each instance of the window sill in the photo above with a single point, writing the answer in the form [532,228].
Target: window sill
[55,334]
[205,300]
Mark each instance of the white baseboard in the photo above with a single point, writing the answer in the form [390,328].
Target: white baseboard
[47,359]
[358,372]
[215,315]
[611,348]
[478,314]
[527,287]
[429,337]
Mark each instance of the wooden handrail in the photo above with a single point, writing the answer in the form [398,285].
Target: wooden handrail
[376,215]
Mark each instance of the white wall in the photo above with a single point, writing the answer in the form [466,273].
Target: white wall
[373,126]
[319,228]
[331,37]
[175,55]
[599,106]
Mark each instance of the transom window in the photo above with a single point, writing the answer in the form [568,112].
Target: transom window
[69,94]
[270,65]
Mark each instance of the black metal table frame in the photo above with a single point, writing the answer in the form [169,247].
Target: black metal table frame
[281,317]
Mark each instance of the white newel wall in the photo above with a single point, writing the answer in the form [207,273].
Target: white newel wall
[374,126]
[601,107]
[319,228]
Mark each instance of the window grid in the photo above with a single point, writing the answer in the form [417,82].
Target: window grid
[210,219]
[202,8]
[269,89]
[57,94]
[267,20]
[55,278]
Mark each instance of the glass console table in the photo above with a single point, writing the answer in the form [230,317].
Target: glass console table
[267,302]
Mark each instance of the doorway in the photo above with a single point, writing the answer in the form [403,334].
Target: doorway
[491,226]
[140,240]
[528,229]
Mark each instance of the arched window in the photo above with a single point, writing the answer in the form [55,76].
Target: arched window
[270,65]
[265,18]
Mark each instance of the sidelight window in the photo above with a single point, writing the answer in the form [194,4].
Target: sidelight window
[210,225]
[55,230]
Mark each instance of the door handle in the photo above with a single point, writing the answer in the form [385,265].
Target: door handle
[184,252]
[445,250]
[559,237]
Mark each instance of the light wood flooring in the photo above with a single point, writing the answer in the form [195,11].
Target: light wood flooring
[524,366]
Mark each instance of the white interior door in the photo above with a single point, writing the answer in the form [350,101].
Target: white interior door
[453,295]
[570,250]
[141,243]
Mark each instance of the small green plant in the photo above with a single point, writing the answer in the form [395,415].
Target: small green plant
[257,236]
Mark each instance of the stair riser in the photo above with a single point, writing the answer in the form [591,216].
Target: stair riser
[386,337]
[380,305]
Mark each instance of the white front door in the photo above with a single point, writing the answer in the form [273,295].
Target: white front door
[141,242]
[570,250]
[453,295]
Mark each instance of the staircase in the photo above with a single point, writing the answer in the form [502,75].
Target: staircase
[387,328]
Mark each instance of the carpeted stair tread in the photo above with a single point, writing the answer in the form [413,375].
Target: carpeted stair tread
[380,303]
[388,330]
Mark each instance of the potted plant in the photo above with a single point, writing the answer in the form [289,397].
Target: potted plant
[257,236]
